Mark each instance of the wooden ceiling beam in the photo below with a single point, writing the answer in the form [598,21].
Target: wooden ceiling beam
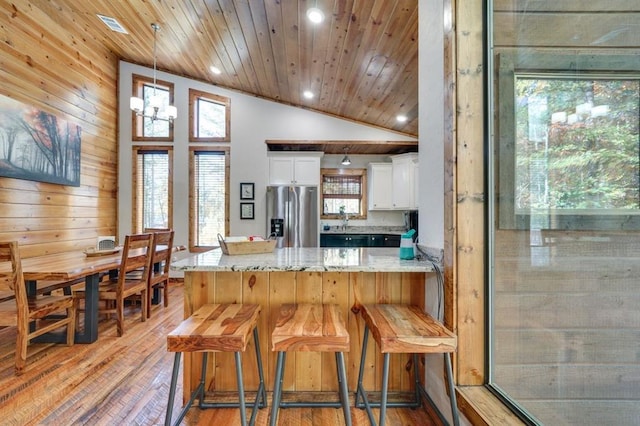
[364,147]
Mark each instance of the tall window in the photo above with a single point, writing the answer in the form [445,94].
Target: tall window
[143,127]
[153,188]
[564,230]
[209,197]
[209,117]
[344,193]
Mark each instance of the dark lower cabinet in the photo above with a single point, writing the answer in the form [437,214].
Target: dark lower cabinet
[376,240]
[359,240]
[392,240]
[344,240]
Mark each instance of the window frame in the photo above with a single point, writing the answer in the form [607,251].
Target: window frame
[137,122]
[136,150]
[363,184]
[194,96]
[192,192]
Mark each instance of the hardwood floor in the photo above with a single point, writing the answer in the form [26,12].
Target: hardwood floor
[125,381]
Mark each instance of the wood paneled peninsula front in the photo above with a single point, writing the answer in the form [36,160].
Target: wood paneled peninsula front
[348,277]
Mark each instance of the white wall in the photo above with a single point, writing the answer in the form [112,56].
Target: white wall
[253,121]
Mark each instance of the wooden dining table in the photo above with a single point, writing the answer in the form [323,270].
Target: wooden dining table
[65,269]
[62,270]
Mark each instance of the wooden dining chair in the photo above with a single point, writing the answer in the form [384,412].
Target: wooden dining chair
[27,313]
[136,256]
[161,260]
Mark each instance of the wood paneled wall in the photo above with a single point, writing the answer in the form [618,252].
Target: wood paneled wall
[43,65]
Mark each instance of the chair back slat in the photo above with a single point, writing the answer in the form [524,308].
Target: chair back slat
[136,255]
[162,249]
[12,280]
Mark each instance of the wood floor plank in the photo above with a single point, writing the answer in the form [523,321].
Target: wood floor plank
[125,380]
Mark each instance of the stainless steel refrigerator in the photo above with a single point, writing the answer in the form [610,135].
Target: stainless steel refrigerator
[292,215]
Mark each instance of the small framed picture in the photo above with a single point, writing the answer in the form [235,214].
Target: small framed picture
[246,191]
[246,210]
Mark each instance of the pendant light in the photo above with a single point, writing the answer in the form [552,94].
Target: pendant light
[346,160]
[155,102]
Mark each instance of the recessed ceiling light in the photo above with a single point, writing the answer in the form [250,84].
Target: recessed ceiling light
[315,15]
[215,70]
[308,94]
[401,118]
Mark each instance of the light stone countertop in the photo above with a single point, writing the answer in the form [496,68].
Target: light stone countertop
[305,259]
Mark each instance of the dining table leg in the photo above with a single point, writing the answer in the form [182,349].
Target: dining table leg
[89,333]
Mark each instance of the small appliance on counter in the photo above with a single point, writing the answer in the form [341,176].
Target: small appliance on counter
[407,246]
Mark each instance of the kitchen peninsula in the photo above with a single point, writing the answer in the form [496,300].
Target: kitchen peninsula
[348,277]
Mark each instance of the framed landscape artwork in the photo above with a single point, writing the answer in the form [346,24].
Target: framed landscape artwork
[38,146]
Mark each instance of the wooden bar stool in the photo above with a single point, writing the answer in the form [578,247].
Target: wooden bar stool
[312,328]
[404,329]
[216,328]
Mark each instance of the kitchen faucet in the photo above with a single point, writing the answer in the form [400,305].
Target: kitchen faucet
[345,221]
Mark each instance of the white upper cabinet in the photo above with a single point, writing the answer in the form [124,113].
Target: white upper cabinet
[394,186]
[294,169]
[380,177]
[405,171]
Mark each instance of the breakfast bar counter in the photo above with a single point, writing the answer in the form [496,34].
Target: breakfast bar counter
[305,259]
[348,277]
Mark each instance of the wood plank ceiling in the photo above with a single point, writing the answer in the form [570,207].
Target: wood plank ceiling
[361,62]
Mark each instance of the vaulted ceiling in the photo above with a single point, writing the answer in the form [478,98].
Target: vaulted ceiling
[361,62]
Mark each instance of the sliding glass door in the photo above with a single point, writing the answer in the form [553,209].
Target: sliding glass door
[565,209]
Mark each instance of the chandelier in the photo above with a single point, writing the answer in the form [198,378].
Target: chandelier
[136,104]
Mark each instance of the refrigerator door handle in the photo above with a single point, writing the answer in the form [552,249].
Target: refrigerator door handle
[287,224]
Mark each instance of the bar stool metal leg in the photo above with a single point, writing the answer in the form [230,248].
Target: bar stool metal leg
[172,388]
[197,393]
[359,391]
[452,390]
[385,389]
[243,412]
[262,393]
[344,392]
[277,388]
[203,375]
[417,384]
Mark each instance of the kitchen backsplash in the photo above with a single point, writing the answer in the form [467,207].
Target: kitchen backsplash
[338,229]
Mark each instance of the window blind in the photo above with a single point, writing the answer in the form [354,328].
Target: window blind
[344,187]
[209,196]
[152,190]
